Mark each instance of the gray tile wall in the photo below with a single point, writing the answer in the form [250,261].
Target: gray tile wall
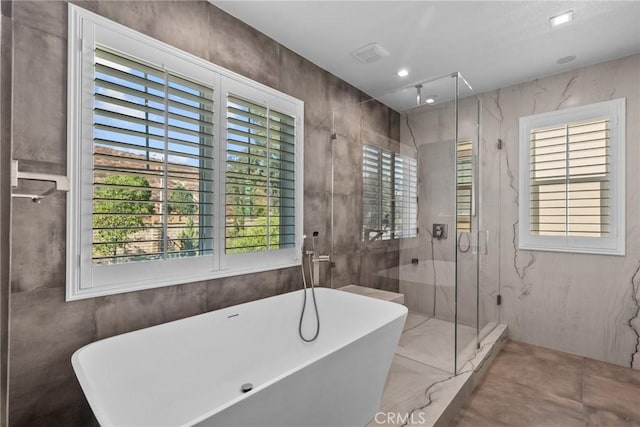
[44,329]
[6,35]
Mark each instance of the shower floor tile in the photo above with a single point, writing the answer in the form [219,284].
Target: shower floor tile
[414,320]
[432,342]
[404,390]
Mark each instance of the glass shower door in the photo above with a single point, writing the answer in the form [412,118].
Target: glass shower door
[468,232]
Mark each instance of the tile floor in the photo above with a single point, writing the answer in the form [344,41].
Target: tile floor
[533,386]
[430,341]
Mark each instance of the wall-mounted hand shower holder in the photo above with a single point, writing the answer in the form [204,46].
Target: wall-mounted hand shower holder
[316,259]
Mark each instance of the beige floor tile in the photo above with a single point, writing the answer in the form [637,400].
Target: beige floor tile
[516,405]
[547,372]
[534,386]
[469,417]
[601,418]
[612,388]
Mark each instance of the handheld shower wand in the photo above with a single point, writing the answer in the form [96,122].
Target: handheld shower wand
[313,293]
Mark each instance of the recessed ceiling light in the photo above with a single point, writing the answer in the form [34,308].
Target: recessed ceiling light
[566,59]
[431,99]
[403,73]
[563,18]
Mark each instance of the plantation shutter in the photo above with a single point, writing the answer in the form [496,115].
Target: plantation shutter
[260,178]
[389,194]
[570,179]
[152,162]
[464,185]
[406,197]
[371,212]
[386,194]
[377,196]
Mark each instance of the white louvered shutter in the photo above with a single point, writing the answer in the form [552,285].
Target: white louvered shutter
[260,178]
[570,180]
[152,162]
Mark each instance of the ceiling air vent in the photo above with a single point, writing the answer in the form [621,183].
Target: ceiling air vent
[370,53]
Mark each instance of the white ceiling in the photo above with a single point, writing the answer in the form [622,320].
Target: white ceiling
[493,44]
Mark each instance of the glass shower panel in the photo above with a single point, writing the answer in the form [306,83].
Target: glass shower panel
[428,264]
[371,180]
[417,202]
[469,235]
[489,198]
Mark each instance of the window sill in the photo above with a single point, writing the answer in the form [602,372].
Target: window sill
[80,294]
[574,250]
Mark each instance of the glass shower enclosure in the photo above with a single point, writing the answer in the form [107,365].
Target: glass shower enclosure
[420,205]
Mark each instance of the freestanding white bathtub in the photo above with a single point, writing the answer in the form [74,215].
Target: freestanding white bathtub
[190,371]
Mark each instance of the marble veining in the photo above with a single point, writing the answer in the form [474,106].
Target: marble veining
[520,271]
[635,287]
[428,392]
[413,321]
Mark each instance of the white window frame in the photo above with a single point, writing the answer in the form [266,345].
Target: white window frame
[614,243]
[84,280]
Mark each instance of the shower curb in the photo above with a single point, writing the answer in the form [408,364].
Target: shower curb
[459,388]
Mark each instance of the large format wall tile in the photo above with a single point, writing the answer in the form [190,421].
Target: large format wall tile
[571,302]
[39,96]
[183,24]
[38,252]
[50,17]
[45,331]
[237,46]
[240,289]
[117,314]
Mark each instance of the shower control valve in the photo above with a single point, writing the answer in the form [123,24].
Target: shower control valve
[439,231]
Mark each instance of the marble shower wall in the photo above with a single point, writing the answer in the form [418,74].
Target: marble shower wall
[429,286]
[45,330]
[578,303]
